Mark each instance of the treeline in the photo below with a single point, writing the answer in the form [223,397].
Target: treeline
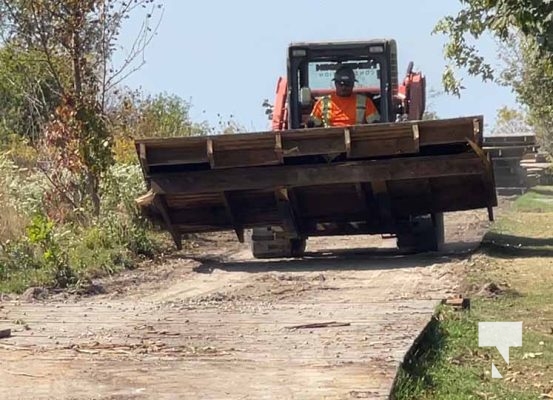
[524,31]
[68,167]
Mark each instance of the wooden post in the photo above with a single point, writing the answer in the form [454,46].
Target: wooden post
[382,197]
[161,205]
[347,141]
[232,219]
[210,156]
[286,212]
[278,147]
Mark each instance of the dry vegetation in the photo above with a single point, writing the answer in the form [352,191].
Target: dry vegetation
[509,279]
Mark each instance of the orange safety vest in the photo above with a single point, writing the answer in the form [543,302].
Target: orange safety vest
[334,110]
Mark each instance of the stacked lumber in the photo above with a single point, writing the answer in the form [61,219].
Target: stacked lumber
[518,163]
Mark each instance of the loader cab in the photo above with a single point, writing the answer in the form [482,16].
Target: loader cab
[311,67]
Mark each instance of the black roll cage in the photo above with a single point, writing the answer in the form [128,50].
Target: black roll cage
[301,54]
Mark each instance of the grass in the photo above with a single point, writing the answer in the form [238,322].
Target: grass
[80,258]
[517,256]
[39,247]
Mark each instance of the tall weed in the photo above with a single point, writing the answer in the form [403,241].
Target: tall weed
[35,250]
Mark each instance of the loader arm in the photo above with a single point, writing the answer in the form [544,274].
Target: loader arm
[413,94]
[280,112]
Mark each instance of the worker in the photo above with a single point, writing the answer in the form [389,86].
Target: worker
[343,108]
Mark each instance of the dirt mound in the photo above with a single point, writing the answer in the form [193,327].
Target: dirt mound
[34,293]
[491,290]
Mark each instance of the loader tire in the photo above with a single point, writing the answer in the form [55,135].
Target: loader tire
[268,244]
[426,234]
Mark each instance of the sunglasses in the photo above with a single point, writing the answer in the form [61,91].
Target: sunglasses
[344,83]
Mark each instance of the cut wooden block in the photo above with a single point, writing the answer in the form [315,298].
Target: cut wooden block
[459,302]
[5,333]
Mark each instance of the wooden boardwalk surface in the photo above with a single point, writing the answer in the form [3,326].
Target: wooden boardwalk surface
[221,329]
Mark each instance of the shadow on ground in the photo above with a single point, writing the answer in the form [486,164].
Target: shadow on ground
[542,191]
[351,259]
[511,246]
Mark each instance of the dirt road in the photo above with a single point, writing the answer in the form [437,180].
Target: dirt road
[220,325]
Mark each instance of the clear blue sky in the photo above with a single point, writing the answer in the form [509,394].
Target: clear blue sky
[225,56]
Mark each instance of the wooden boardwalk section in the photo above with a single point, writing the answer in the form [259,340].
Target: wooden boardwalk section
[369,175]
[518,163]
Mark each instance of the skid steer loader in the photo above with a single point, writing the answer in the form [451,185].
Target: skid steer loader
[396,177]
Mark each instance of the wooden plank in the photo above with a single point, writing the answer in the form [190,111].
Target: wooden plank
[305,175]
[194,200]
[142,154]
[383,202]
[448,194]
[304,146]
[488,176]
[294,202]
[278,148]
[362,195]
[231,153]
[251,157]
[314,229]
[347,142]
[477,128]
[416,135]
[384,147]
[219,216]
[509,140]
[201,216]
[364,144]
[286,212]
[238,228]
[161,205]
[194,153]
[510,151]
[340,208]
[184,150]
[184,229]
[443,132]
[321,200]
[209,152]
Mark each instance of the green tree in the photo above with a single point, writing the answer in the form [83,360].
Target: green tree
[135,114]
[510,121]
[499,18]
[531,77]
[27,97]
[75,40]
[160,115]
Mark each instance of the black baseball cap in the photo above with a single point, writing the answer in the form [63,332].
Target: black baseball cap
[345,74]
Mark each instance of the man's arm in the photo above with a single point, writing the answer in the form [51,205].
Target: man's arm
[316,117]
[371,112]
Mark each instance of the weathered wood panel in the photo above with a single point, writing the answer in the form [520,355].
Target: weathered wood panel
[302,178]
[269,148]
[306,175]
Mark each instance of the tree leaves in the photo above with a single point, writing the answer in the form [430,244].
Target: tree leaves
[530,74]
[74,41]
[534,18]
